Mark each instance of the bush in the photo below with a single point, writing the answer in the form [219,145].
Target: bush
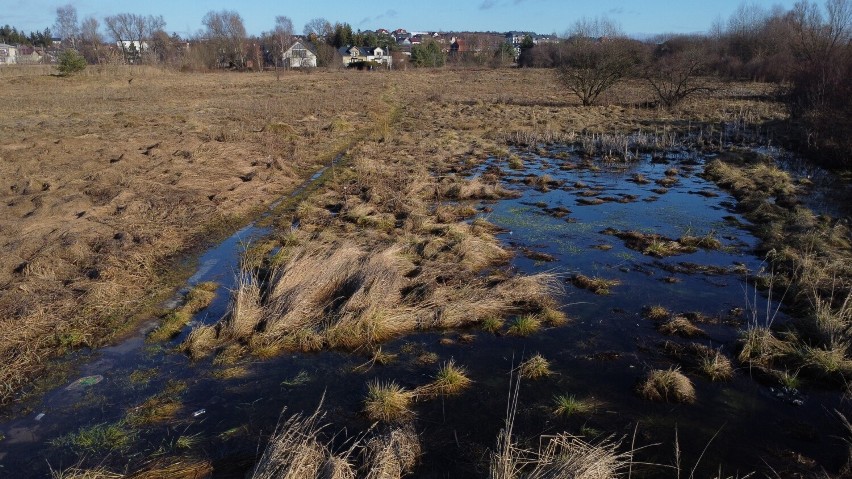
[70,61]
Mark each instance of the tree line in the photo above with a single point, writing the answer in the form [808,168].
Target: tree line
[806,51]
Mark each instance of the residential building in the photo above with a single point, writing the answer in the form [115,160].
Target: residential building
[301,54]
[8,54]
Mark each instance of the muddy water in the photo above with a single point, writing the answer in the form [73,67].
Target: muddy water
[602,354]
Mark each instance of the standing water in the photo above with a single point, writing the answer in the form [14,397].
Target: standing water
[571,217]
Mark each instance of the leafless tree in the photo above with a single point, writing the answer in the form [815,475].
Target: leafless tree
[317,28]
[91,40]
[226,31]
[282,37]
[595,57]
[822,94]
[676,71]
[132,31]
[67,26]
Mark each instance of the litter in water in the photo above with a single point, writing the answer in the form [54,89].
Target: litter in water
[39,416]
[199,412]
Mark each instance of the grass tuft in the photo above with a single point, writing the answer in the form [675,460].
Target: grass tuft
[535,367]
[525,325]
[680,326]
[667,385]
[565,405]
[388,402]
[451,379]
[594,284]
[656,313]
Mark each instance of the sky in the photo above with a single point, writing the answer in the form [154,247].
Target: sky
[637,17]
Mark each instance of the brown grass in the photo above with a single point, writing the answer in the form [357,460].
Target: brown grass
[667,385]
[129,179]
[535,367]
[680,326]
[388,402]
[394,454]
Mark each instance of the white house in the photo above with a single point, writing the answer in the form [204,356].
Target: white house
[8,54]
[300,55]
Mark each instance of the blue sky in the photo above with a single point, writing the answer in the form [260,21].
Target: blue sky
[541,16]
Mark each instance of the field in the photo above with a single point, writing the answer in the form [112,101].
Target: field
[114,181]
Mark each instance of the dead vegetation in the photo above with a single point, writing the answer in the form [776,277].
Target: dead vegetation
[388,266]
[669,385]
[299,449]
[131,179]
[809,257]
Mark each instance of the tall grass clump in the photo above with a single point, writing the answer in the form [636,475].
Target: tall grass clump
[394,454]
[388,402]
[667,385]
[565,405]
[449,380]
[534,368]
[525,325]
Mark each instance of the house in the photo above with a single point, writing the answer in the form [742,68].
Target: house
[457,46]
[301,54]
[8,54]
[360,55]
[515,38]
[351,55]
[30,55]
[378,55]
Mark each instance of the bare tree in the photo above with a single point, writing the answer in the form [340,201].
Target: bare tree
[282,37]
[226,31]
[132,31]
[676,70]
[821,99]
[317,28]
[91,39]
[595,57]
[66,25]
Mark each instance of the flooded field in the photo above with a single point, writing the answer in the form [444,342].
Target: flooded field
[658,271]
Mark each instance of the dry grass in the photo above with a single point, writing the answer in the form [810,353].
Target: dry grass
[656,313]
[716,366]
[449,380]
[534,368]
[294,450]
[131,178]
[680,326]
[557,456]
[299,449]
[594,284]
[388,402]
[667,385]
[393,455]
[760,346]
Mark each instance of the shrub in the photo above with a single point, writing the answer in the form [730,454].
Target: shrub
[70,62]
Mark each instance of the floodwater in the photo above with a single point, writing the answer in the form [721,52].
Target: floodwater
[744,424]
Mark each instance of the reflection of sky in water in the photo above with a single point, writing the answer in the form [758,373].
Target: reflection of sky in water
[471,420]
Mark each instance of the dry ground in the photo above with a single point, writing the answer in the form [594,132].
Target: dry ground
[108,178]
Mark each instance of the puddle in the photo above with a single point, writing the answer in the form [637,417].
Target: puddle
[603,353]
